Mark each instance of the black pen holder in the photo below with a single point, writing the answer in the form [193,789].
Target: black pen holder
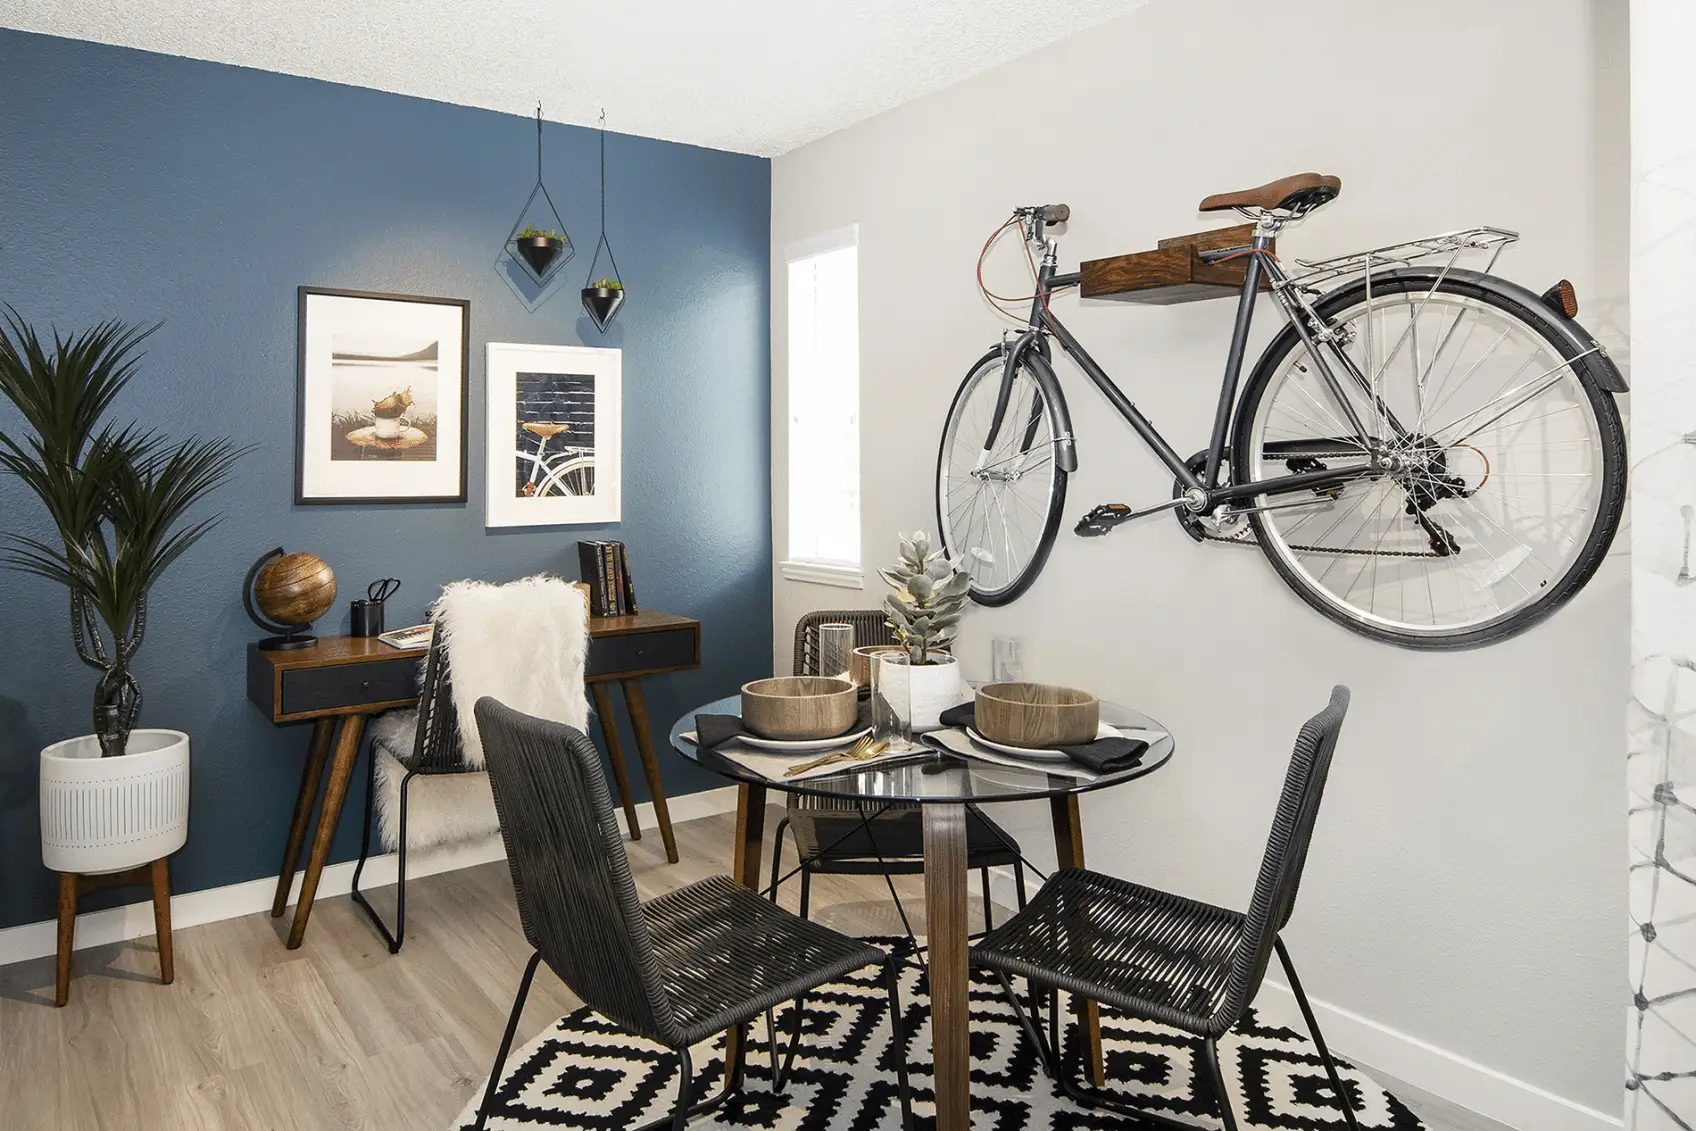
[367,618]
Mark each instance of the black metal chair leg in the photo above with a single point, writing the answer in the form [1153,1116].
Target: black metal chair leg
[1019,882]
[988,914]
[1032,1026]
[891,981]
[806,890]
[777,857]
[1343,1101]
[680,1118]
[1210,1048]
[506,1041]
[400,879]
[779,1078]
[391,939]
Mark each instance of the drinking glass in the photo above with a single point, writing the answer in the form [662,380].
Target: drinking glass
[836,650]
[892,710]
[1006,664]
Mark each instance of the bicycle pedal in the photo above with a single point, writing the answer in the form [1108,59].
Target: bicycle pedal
[1101,520]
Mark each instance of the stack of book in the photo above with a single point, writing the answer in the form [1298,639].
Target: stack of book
[606,570]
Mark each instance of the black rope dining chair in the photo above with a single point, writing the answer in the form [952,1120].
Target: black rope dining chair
[434,749]
[1162,957]
[700,960]
[835,837]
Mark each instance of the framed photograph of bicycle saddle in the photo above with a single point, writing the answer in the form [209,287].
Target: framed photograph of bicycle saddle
[381,400]
[554,419]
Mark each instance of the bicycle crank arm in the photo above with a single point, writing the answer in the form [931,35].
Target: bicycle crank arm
[1104,518]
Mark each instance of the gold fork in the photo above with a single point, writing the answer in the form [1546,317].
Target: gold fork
[862,749]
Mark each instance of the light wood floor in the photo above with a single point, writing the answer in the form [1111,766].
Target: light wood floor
[339,1034]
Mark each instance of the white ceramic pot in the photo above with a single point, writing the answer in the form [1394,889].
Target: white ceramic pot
[109,814]
[918,694]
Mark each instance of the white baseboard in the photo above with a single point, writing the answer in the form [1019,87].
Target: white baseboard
[1447,1075]
[135,920]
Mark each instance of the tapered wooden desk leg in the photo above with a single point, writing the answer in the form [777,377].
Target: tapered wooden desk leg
[322,731]
[1069,851]
[650,764]
[749,850]
[67,937]
[615,756]
[335,792]
[945,934]
[160,874]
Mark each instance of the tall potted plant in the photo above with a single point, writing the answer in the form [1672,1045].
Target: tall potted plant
[924,612]
[117,498]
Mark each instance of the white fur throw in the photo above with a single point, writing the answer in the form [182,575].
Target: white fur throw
[526,644]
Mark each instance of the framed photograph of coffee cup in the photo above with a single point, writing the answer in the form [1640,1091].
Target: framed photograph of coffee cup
[383,382]
[554,419]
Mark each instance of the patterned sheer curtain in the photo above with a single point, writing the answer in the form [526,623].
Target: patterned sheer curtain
[1661,756]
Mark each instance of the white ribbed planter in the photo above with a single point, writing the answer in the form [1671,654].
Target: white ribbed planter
[109,814]
[919,694]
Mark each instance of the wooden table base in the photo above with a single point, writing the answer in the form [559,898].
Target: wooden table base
[156,875]
[950,976]
[1069,852]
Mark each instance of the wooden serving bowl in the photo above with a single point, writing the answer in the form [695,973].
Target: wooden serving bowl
[861,672]
[799,707]
[1037,714]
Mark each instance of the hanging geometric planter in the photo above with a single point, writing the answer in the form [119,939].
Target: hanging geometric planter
[538,249]
[603,295]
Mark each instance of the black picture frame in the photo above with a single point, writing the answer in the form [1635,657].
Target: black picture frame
[303,295]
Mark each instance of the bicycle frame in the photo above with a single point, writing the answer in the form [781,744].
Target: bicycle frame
[1204,491]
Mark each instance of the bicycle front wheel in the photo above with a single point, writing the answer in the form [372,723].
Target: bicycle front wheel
[1506,459]
[998,501]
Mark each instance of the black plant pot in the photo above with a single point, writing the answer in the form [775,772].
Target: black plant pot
[539,252]
[603,304]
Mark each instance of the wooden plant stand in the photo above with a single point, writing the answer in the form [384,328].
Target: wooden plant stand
[156,875]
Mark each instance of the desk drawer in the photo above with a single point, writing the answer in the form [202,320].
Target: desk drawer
[642,652]
[348,685]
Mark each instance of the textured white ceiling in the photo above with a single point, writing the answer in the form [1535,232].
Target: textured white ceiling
[754,76]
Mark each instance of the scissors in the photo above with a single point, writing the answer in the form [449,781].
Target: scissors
[384,589]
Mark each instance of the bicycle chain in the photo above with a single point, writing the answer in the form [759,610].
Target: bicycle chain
[1246,538]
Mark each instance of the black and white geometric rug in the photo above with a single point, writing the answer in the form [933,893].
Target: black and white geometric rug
[583,1073]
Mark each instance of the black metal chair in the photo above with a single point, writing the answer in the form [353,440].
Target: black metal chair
[703,959]
[435,749]
[1165,958]
[835,837]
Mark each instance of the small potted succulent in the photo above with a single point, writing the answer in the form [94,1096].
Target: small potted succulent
[924,612]
[602,298]
[388,413]
[539,247]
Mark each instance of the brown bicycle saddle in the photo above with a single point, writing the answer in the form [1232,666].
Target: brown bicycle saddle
[1302,192]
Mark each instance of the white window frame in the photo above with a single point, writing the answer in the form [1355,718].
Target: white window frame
[843,574]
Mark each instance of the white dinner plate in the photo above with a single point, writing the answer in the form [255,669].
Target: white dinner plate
[803,745]
[1035,754]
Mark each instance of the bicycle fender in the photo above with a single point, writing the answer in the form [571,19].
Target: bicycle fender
[1033,349]
[1574,337]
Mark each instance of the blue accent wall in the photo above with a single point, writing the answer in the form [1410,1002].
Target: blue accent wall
[148,188]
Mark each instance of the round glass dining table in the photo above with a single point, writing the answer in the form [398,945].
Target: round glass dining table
[942,783]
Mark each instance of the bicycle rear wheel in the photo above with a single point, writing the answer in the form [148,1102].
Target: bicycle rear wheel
[998,511]
[1508,463]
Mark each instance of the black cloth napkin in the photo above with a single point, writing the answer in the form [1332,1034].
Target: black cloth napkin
[1104,756]
[713,731]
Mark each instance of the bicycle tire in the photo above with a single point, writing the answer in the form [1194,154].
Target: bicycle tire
[1015,589]
[1592,378]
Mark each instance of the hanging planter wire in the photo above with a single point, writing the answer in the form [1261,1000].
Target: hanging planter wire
[540,251]
[603,295]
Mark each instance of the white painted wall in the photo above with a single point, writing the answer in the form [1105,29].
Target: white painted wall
[1464,886]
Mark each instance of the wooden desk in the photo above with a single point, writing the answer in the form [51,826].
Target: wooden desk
[345,680]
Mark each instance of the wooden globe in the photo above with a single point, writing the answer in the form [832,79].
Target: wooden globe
[295,588]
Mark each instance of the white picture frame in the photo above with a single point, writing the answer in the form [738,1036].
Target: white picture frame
[554,443]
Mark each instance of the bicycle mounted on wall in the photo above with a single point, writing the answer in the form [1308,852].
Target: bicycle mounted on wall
[1427,454]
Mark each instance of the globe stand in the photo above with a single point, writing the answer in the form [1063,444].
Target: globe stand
[286,636]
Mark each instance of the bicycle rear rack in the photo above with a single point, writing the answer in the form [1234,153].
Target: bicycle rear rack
[1309,274]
